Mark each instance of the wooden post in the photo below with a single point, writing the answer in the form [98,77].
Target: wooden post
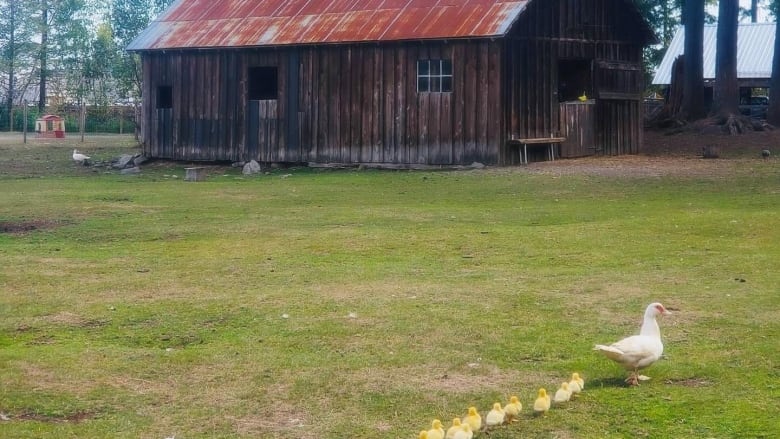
[82,120]
[24,122]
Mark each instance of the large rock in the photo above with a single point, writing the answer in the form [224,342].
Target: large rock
[251,168]
[139,159]
[123,161]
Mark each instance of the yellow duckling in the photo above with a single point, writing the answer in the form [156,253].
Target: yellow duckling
[583,97]
[563,394]
[512,409]
[436,431]
[454,429]
[542,403]
[473,419]
[495,416]
[423,434]
[575,377]
[465,432]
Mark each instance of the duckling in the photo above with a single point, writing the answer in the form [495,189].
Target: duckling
[576,384]
[542,403]
[465,432]
[563,394]
[575,376]
[454,429]
[423,434]
[496,416]
[473,419]
[512,409]
[582,97]
[436,431]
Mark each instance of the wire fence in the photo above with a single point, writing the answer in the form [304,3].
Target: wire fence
[108,120]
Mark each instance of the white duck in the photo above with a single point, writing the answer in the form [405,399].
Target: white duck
[79,157]
[638,351]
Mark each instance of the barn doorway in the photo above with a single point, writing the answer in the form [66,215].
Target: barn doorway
[576,108]
[574,79]
[263,118]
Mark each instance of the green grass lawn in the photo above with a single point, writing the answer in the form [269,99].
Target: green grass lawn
[306,303]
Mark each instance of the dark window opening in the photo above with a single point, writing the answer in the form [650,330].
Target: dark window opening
[263,83]
[164,97]
[434,75]
[574,80]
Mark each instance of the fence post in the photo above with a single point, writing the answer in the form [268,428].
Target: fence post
[82,119]
[24,122]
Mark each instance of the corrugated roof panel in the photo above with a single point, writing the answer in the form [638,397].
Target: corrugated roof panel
[226,9]
[189,11]
[500,17]
[219,31]
[471,18]
[342,6]
[357,24]
[315,7]
[267,8]
[291,8]
[319,28]
[432,25]
[272,33]
[386,4]
[208,23]
[755,43]
[404,24]
[254,28]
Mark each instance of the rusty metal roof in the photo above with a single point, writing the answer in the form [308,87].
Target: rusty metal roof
[244,23]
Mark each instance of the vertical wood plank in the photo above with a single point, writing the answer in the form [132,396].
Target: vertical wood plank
[388,105]
[458,106]
[345,106]
[470,103]
[366,105]
[412,105]
[377,105]
[356,108]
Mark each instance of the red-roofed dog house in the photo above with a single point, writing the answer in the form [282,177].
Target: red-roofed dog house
[50,126]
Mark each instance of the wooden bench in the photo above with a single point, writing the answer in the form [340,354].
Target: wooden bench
[551,141]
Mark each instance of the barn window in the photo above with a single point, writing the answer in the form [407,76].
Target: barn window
[164,97]
[434,75]
[263,83]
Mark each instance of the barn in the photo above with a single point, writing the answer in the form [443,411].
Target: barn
[392,82]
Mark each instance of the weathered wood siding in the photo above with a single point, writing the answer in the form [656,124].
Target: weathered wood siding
[551,31]
[359,103]
[578,126]
[336,104]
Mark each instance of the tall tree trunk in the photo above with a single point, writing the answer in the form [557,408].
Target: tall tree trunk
[726,90]
[43,54]
[773,111]
[11,56]
[693,82]
[754,11]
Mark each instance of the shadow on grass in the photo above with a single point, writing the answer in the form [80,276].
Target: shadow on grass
[607,382]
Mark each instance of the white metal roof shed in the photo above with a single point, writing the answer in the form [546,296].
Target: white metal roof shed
[755,45]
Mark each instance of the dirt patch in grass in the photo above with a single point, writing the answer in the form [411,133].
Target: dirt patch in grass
[65,318]
[676,155]
[477,378]
[56,419]
[692,382]
[26,226]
